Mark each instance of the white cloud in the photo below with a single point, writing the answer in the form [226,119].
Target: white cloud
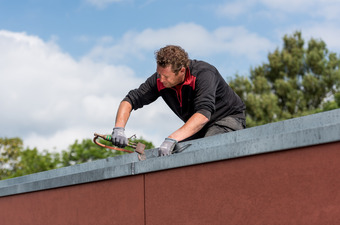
[287,5]
[235,41]
[327,32]
[315,19]
[102,3]
[234,9]
[47,97]
[330,11]
[325,9]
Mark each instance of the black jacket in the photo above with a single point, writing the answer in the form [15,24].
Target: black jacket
[203,91]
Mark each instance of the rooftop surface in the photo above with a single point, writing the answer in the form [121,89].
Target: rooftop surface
[310,130]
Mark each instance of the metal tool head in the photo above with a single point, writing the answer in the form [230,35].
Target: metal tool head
[140,150]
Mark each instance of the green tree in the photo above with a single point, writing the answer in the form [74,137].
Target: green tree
[17,161]
[87,151]
[32,161]
[10,149]
[295,81]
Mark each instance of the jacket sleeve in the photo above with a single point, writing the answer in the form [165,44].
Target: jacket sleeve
[206,86]
[145,94]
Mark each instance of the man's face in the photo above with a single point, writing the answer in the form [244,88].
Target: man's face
[168,78]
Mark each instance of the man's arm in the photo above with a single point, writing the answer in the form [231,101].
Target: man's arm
[191,127]
[118,136]
[123,114]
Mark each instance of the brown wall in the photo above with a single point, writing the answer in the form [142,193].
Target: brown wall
[298,186]
[117,201]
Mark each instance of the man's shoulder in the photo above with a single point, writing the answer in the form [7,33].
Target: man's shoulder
[194,63]
[198,67]
[152,79]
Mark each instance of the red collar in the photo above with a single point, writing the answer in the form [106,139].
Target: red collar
[189,80]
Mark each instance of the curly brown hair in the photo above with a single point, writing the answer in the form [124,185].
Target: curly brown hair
[172,55]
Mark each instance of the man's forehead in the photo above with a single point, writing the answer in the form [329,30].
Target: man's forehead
[164,70]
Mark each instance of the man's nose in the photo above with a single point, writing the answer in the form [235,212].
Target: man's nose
[162,79]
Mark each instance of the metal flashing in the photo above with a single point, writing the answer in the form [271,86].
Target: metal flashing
[310,130]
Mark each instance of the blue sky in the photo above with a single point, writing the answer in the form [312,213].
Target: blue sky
[65,65]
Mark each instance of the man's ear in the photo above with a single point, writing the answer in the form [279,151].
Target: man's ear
[182,70]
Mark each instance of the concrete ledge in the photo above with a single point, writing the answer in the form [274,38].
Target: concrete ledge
[299,132]
[76,169]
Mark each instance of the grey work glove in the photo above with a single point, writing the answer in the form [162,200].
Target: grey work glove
[118,137]
[167,147]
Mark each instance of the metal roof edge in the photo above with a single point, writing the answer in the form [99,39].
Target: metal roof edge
[289,134]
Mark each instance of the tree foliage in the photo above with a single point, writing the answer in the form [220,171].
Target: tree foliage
[295,81]
[16,161]
[33,161]
[87,151]
[10,149]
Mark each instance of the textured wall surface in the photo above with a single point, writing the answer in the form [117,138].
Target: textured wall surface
[116,201]
[291,187]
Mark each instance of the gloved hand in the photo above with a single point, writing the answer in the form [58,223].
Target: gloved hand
[167,147]
[118,137]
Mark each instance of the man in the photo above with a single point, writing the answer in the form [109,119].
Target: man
[196,93]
